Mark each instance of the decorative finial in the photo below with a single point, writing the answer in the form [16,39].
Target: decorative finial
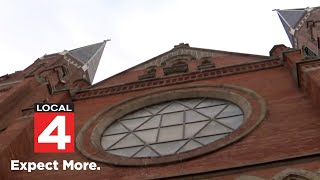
[182,45]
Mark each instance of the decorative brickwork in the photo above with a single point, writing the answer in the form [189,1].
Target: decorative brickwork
[3,90]
[206,64]
[215,73]
[185,50]
[178,67]
[149,73]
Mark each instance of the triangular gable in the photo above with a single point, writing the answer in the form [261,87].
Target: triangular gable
[181,51]
[177,51]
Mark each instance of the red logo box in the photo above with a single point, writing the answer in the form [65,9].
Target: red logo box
[53,127]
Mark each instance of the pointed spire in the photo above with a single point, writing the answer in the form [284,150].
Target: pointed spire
[290,18]
[89,56]
[86,53]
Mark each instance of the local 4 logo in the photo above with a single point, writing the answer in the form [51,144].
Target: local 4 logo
[53,127]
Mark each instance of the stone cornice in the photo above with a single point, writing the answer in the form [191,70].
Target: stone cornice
[166,81]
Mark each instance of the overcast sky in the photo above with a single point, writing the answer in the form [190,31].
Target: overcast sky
[138,29]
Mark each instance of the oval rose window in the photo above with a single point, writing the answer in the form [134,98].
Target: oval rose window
[171,127]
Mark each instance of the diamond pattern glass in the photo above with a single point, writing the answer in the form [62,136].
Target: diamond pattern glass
[172,127]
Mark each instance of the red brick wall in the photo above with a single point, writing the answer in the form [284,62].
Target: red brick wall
[291,129]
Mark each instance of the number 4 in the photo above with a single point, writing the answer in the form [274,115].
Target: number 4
[61,139]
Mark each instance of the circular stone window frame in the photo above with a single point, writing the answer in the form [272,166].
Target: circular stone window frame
[88,140]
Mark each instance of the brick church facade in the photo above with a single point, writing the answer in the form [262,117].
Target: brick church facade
[189,113]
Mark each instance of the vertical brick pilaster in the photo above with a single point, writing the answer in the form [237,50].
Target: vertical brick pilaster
[312,84]
[290,58]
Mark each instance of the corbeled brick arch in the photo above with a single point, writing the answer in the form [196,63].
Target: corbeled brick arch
[296,174]
[149,73]
[177,64]
[178,58]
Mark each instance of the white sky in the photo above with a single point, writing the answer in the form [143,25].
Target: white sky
[139,29]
